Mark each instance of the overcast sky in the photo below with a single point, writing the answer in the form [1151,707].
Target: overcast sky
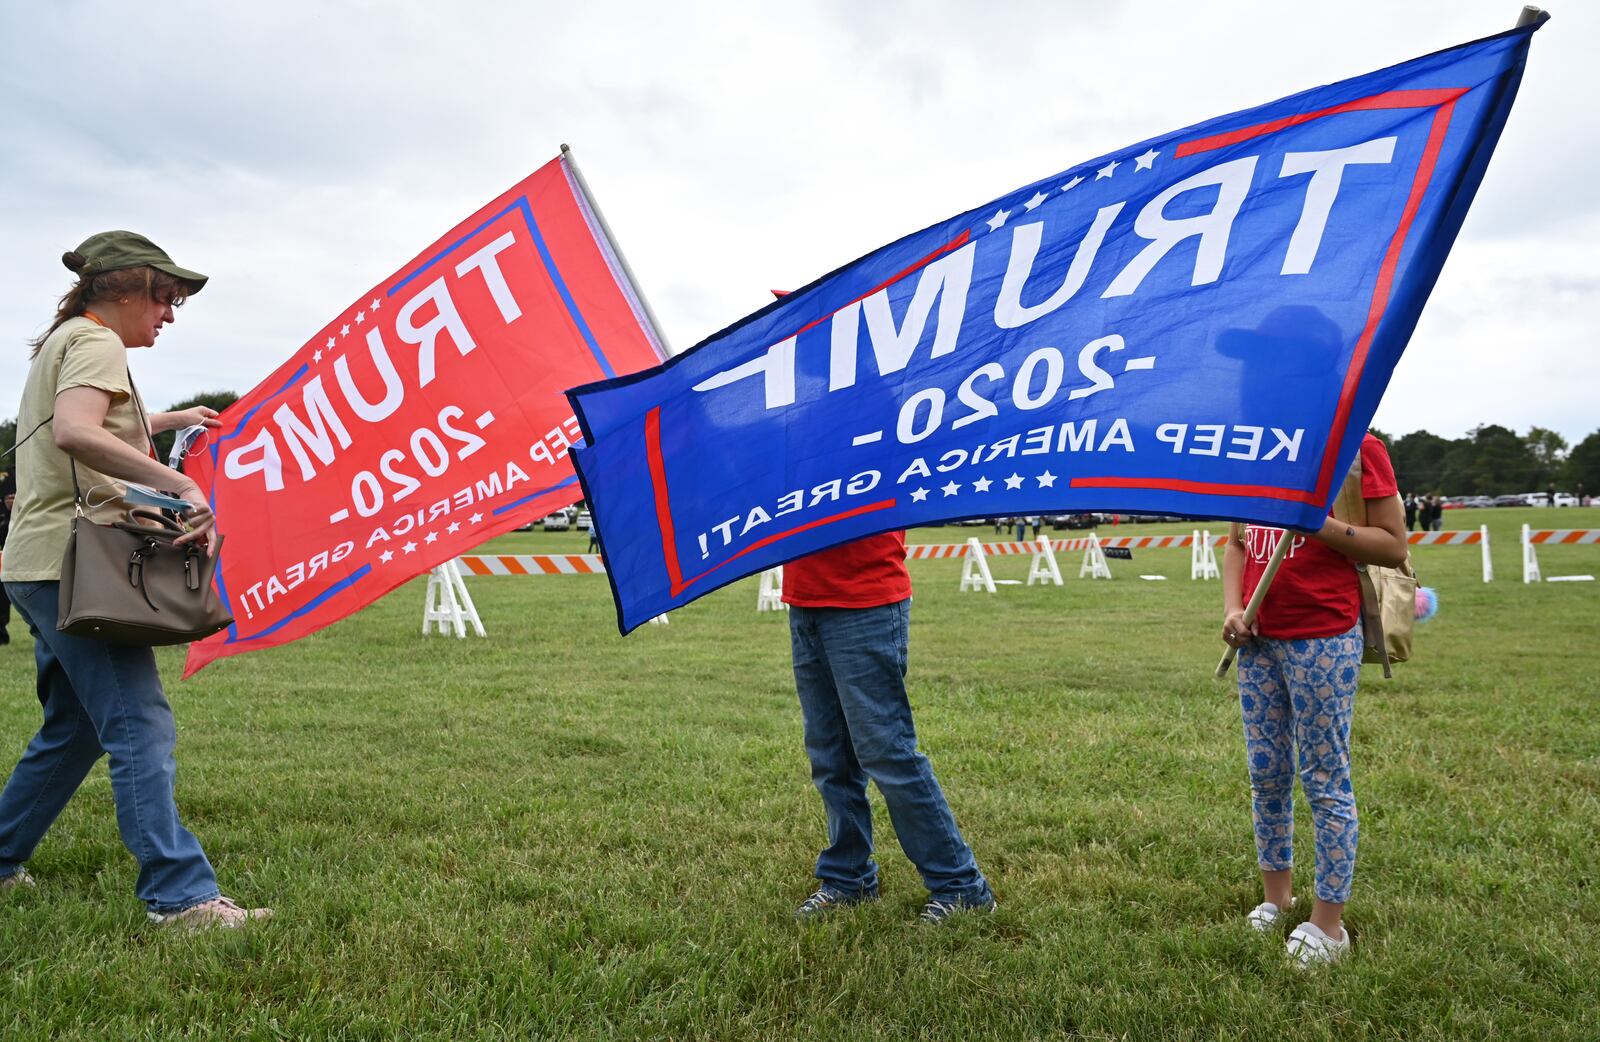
[299,152]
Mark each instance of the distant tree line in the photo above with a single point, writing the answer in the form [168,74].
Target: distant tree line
[1493,460]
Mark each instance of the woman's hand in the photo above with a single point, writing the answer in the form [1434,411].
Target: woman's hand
[197,416]
[1236,632]
[198,521]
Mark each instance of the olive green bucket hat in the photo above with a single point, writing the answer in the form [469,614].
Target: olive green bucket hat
[114,251]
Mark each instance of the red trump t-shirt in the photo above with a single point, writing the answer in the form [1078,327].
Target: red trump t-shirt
[867,573]
[1316,592]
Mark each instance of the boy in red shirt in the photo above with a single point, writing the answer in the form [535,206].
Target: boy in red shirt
[850,607]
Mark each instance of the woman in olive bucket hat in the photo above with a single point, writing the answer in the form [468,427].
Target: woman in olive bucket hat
[100,698]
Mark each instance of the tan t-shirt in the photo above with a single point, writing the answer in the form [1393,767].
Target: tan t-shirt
[79,353]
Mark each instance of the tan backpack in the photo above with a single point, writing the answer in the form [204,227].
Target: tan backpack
[1388,595]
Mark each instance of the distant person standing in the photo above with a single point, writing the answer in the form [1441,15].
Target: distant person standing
[1411,511]
[1438,513]
[1550,494]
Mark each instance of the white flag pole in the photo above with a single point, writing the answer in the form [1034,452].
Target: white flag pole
[1260,595]
[611,241]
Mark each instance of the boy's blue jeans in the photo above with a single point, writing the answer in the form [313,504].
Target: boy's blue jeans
[101,699]
[849,669]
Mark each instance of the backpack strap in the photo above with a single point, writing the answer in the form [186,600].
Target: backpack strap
[1350,506]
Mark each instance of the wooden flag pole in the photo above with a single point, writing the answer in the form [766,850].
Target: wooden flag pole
[1256,598]
[611,240]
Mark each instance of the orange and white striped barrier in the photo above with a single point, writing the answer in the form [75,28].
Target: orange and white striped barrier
[933,551]
[1464,537]
[1559,536]
[532,564]
[536,564]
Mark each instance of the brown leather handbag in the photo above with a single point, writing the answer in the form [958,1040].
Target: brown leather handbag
[127,583]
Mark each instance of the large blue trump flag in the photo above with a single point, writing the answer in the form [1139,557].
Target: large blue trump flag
[1200,324]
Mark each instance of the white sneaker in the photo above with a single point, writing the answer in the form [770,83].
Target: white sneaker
[1265,915]
[1309,946]
[19,878]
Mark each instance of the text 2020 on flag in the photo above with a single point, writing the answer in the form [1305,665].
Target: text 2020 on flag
[424,419]
[1200,324]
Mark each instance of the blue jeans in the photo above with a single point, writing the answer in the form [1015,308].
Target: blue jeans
[101,699]
[849,668]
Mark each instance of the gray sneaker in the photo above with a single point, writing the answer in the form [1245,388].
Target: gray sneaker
[19,878]
[941,910]
[827,900]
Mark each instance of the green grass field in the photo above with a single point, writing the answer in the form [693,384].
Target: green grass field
[560,833]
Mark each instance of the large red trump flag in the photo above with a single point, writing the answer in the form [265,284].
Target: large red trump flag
[425,418]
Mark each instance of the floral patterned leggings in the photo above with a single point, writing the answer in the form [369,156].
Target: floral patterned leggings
[1296,696]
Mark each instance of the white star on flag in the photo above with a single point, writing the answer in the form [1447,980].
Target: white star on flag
[981,485]
[1070,185]
[316,356]
[455,526]
[1106,170]
[951,488]
[344,330]
[474,519]
[1143,162]
[410,548]
[432,537]
[1046,479]
[997,220]
[375,305]
[386,556]
[361,316]
[918,495]
[1033,204]
[1014,481]
[331,343]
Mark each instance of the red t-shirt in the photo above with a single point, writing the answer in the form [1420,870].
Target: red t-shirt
[1316,592]
[867,573]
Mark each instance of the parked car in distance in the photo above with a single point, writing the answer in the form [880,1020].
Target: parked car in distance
[557,522]
[1566,499]
[1534,499]
[1074,522]
[1478,501]
[583,520]
[1510,501]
